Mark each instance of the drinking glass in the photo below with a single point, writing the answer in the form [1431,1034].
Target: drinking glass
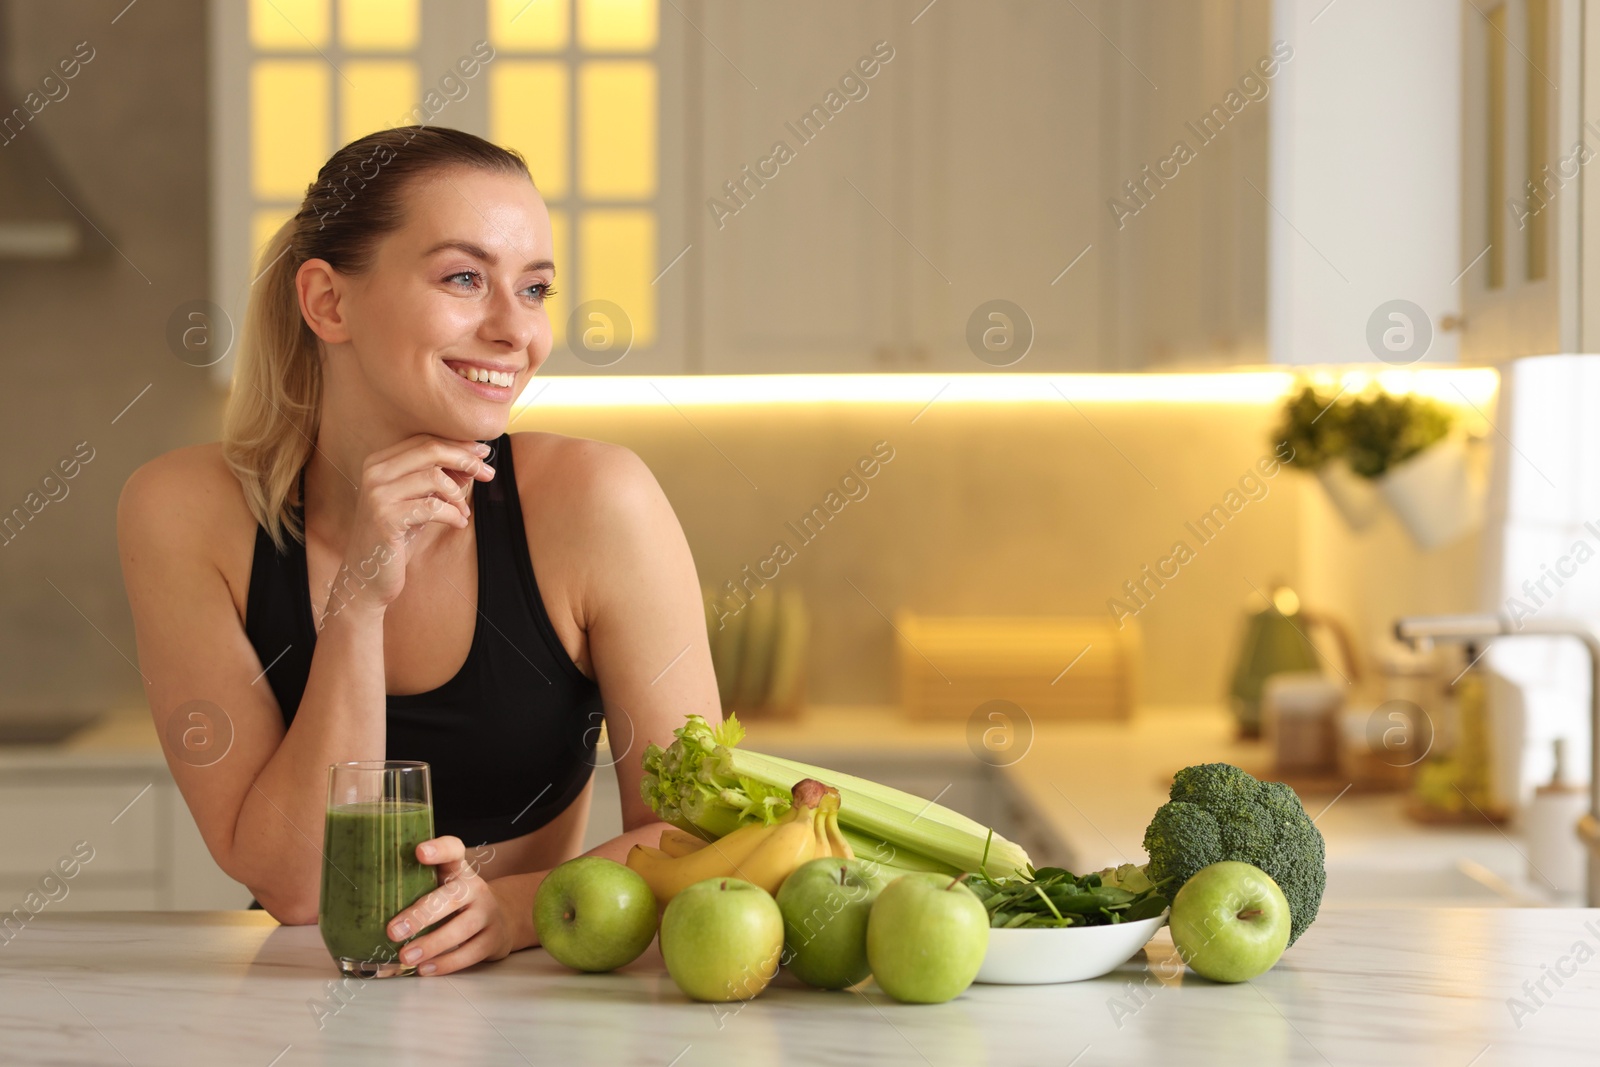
[378,812]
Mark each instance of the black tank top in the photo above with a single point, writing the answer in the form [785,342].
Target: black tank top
[510,739]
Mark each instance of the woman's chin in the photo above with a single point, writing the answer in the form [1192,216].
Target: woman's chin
[467,425]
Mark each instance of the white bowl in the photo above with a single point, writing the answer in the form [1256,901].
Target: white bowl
[1043,955]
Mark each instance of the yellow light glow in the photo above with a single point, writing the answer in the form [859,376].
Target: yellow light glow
[616,261]
[263,224]
[558,307]
[617,130]
[289,120]
[1228,388]
[289,25]
[617,25]
[378,25]
[374,93]
[528,112]
[1450,385]
[528,25]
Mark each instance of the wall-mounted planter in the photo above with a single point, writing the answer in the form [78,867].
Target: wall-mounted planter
[1433,493]
[1354,497]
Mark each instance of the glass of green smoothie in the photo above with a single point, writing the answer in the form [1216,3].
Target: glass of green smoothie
[379,811]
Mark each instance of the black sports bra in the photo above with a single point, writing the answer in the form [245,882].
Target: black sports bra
[511,738]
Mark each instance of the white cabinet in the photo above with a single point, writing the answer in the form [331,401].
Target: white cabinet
[798,266]
[1529,253]
[978,163]
[125,826]
[1001,182]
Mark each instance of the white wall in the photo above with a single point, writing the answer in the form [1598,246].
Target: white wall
[1363,173]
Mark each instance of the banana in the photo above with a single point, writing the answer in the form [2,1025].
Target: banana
[838,847]
[667,875]
[822,847]
[793,842]
[761,854]
[676,842]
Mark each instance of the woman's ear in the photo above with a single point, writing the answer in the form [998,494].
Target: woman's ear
[321,291]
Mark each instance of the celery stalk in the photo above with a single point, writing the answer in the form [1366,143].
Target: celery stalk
[707,781]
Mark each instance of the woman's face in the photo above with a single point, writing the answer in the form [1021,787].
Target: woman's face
[458,290]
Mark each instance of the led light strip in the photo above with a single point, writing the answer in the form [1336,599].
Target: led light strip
[1475,386]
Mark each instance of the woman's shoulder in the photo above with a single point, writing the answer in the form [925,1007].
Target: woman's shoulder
[575,469]
[188,495]
[191,470]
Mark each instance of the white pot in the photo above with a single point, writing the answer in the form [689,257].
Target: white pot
[1433,494]
[1353,496]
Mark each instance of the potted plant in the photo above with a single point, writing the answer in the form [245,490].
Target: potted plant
[1416,455]
[1406,451]
[1311,425]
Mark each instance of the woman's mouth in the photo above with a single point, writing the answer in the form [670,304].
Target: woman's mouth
[487,383]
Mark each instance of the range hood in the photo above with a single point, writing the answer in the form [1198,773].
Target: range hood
[36,219]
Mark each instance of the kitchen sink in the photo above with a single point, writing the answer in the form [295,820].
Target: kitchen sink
[42,727]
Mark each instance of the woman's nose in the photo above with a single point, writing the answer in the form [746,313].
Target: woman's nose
[508,321]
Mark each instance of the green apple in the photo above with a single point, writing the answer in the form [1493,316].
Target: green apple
[1230,922]
[594,914]
[722,939]
[926,937]
[825,905]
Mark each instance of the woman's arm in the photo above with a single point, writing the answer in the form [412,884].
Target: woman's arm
[642,611]
[259,806]
[192,647]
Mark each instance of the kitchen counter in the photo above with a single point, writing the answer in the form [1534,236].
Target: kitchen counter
[1094,785]
[1362,986]
[1088,789]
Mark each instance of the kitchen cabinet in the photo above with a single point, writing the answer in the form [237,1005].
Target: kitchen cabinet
[978,164]
[143,848]
[800,271]
[967,172]
[1528,256]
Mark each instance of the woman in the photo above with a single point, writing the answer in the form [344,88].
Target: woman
[350,573]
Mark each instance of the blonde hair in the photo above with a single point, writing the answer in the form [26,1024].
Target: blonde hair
[270,420]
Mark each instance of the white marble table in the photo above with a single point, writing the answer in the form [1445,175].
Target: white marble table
[1362,987]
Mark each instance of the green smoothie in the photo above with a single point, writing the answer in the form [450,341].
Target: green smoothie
[370,872]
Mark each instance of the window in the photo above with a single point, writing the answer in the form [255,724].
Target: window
[573,85]
[574,88]
[1543,548]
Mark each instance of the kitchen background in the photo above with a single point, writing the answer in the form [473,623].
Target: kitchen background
[1159,308]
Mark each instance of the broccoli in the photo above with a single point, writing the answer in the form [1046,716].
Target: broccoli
[1219,812]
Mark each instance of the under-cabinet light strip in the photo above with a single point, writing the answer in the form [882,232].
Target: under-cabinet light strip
[1474,385]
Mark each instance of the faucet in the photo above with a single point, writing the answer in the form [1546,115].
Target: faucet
[1420,631]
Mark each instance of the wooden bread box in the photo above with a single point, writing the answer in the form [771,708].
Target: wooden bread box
[1055,667]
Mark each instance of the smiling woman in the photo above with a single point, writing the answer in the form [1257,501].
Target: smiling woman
[365,456]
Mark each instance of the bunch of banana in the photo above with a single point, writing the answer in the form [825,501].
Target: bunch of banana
[761,854]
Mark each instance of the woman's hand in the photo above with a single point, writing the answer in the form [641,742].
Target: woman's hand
[422,479]
[473,924]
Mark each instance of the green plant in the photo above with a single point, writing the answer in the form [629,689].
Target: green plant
[1381,430]
[1372,432]
[1309,423]
[1218,812]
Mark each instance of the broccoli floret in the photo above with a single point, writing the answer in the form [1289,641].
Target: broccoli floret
[1219,812]
[1182,838]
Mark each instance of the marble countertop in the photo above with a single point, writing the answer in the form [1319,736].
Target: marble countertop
[1363,987]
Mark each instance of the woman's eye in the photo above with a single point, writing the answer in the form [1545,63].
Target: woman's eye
[540,290]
